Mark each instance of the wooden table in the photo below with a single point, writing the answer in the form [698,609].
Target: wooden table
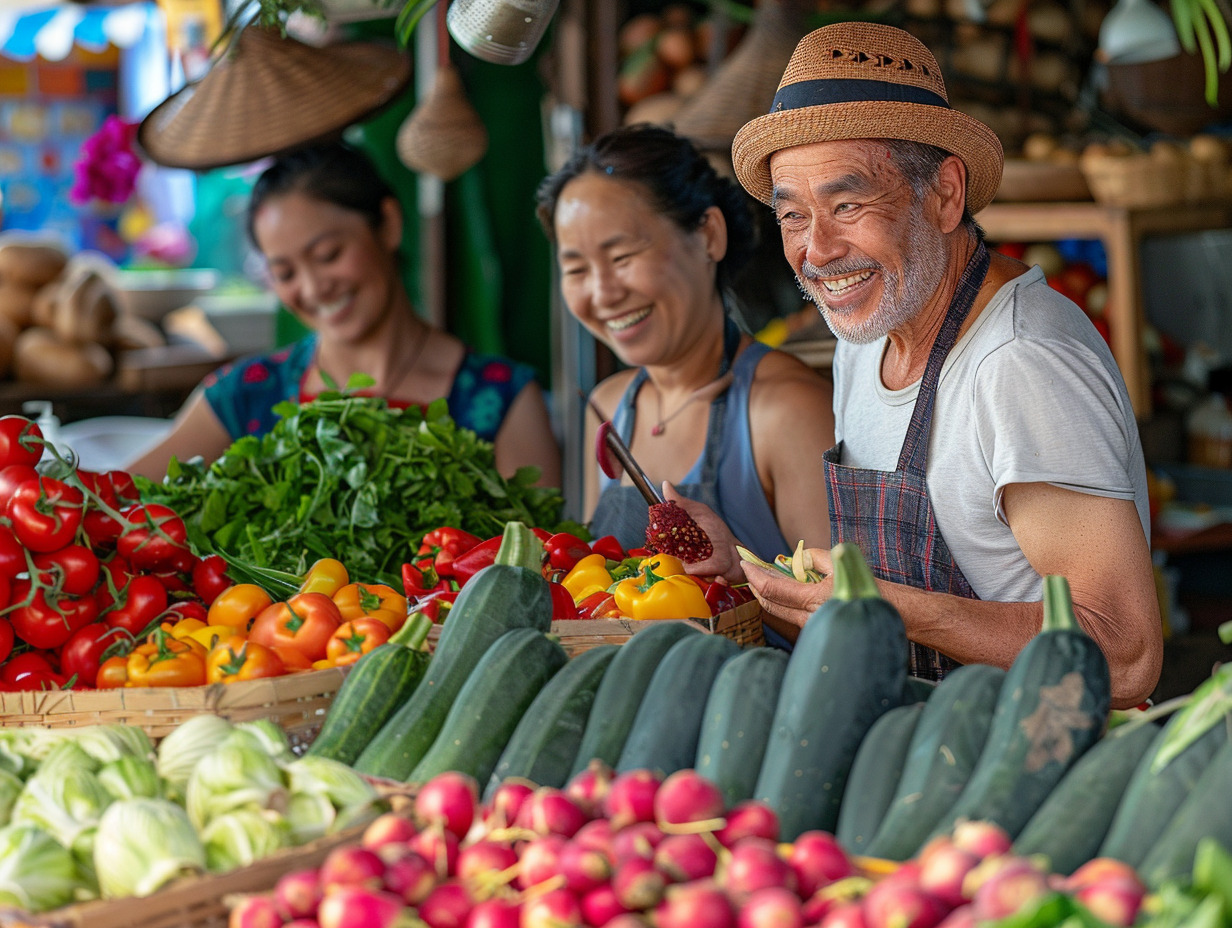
[1122,230]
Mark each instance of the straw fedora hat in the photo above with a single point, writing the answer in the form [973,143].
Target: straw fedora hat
[858,80]
[267,94]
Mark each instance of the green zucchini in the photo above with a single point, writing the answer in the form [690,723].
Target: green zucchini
[917,689]
[1070,824]
[847,669]
[545,743]
[1051,708]
[1204,813]
[737,720]
[874,776]
[1170,770]
[669,720]
[491,703]
[495,600]
[620,694]
[944,749]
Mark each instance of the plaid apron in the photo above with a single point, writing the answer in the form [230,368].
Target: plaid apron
[888,514]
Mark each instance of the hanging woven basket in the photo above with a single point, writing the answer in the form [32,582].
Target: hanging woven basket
[443,136]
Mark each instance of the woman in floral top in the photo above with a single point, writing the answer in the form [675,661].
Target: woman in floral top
[329,228]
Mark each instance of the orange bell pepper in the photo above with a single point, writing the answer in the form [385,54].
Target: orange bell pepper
[237,658]
[166,661]
[326,576]
[238,605]
[373,601]
[304,623]
[293,660]
[112,673]
[354,639]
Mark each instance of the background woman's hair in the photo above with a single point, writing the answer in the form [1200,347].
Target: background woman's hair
[681,183]
[332,173]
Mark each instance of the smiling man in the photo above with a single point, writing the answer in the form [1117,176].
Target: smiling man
[985,436]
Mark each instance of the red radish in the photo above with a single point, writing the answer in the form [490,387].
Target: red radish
[411,877]
[687,797]
[596,835]
[818,860]
[755,864]
[302,923]
[538,861]
[628,920]
[848,914]
[631,798]
[439,848]
[589,787]
[502,810]
[749,819]
[254,912]
[557,908]
[600,906]
[943,871]
[1097,870]
[583,868]
[298,893]
[685,857]
[1006,888]
[449,799]
[983,839]
[352,866]
[962,917]
[699,904]
[356,907]
[484,857]
[495,913]
[637,840]
[902,904]
[447,906]
[638,884]
[1115,900]
[389,828]
[548,811]
[772,907]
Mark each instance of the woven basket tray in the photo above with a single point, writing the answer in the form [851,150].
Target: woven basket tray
[297,702]
[1137,181]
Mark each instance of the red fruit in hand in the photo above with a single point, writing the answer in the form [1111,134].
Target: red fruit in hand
[671,530]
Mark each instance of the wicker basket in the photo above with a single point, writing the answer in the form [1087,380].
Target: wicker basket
[1137,180]
[297,702]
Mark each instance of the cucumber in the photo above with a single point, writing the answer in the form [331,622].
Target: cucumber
[847,669]
[380,682]
[1073,820]
[491,703]
[874,776]
[620,694]
[944,749]
[495,600]
[737,720]
[1051,708]
[1204,813]
[669,721]
[545,743]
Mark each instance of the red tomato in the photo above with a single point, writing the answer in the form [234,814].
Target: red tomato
[12,554]
[47,620]
[122,486]
[21,441]
[73,569]
[209,578]
[45,513]
[101,529]
[114,574]
[11,478]
[189,609]
[26,662]
[6,639]
[155,539]
[137,605]
[82,654]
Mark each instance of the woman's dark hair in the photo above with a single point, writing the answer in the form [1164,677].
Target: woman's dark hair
[333,173]
[682,185]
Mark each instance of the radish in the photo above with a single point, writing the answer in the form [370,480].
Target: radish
[844,915]
[589,788]
[583,868]
[548,811]
[538,861]
[597,835]
[439,848]
[638,884]
[685,857]
[628,920]
[755,864]
[302,923]
[943,870]
[502,810]
[818,859]
[484,857]
[389,828]
[447,906]
[254,912]
[557,908]
[411,877]
[686,797]
[1005,887]
[1097,870]
[449,799]
[699,904]
[351,866]
[298,893]
[902,904]
[495,913]
[1116,900]
[983,839]
[631,798]
[962,917]
[749,819]
[637,840]
[600,906]
[772,907]
[356,907]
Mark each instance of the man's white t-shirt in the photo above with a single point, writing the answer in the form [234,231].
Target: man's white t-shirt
[1029,394]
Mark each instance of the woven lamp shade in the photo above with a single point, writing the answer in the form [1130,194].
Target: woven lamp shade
[443,136]
[268,94]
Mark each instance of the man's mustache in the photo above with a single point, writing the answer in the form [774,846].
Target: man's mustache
[835,269]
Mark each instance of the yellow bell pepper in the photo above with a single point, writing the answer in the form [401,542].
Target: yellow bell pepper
[326,576]
[209,635]
[183,628]
[589,575]
[652,596]
[665,565]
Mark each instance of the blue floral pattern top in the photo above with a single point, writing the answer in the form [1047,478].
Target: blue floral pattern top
[243,394]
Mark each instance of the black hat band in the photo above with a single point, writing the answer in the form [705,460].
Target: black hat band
[851,90]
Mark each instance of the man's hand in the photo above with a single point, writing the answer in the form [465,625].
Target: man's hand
[724,562]
[789,600]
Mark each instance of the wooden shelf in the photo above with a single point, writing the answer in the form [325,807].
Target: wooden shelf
[1122,230]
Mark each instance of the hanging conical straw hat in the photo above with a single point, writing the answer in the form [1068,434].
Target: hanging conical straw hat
[443,135]
[267,94]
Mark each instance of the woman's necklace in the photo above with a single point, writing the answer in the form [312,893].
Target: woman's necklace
[408,365]
[707,391]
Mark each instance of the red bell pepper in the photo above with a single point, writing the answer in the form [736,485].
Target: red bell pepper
[601,605]
[638,552]
[565,550]
[609,547]
[722,596]
[441,546]
[563,607]
[435,606]
[418,582]
[468,564]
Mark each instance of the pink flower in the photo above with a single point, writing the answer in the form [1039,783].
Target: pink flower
[108,167]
